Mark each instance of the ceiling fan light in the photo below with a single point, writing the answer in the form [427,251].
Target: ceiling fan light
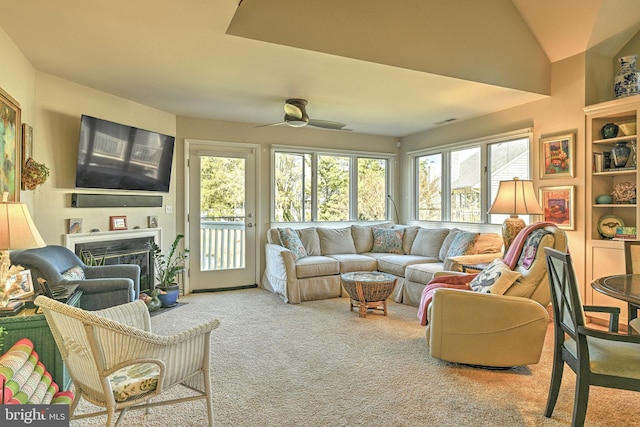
[296,123]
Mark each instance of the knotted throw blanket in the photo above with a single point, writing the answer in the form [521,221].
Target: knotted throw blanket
[461,281]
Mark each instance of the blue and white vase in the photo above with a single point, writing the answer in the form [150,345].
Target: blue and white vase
[627,81]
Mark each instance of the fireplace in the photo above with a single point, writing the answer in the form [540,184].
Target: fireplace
[118,247]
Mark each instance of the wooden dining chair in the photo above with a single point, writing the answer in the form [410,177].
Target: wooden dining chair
[599,358]
[632,266]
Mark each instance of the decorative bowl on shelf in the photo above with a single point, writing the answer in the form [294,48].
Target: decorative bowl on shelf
[628,128]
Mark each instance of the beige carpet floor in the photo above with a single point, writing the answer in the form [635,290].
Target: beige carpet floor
[318,364]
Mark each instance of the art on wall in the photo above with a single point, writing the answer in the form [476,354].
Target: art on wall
[558,206]
[557,156]
[75,225]
[10,144]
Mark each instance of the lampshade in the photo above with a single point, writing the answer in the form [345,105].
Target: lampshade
[516,197]
[17,230]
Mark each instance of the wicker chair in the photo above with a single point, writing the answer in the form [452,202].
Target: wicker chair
[117,363]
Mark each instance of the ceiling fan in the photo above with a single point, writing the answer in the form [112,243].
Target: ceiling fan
[295,115]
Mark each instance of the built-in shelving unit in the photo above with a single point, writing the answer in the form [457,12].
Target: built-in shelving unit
[605,256]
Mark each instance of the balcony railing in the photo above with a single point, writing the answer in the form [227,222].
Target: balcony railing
[222,243]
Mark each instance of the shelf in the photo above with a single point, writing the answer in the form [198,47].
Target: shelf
[610,141]
[610,172]
[614,205]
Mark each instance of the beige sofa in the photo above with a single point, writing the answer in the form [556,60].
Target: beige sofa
[333,251]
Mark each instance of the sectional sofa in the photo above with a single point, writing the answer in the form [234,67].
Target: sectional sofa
[306,264]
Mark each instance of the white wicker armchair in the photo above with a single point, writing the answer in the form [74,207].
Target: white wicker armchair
[133,364]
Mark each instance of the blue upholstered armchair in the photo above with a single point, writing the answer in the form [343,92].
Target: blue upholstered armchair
[101,286]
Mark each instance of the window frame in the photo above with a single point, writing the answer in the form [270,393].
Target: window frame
[485,185]
[353,155]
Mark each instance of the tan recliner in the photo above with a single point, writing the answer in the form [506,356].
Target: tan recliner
[495,330]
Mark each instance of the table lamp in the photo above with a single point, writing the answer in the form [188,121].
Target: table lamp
[515,197]
[17,231]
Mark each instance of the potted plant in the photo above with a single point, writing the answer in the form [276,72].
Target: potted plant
[167,267]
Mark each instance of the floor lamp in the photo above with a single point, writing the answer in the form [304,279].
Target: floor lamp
[515,197]
[17,231]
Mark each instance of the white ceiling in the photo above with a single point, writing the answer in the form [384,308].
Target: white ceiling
[179,55]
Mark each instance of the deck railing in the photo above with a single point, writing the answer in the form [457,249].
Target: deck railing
[223,243]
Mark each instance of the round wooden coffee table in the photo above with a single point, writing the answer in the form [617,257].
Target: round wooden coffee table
[368,290]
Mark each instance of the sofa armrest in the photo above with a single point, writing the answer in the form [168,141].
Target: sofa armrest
[280,272]
[510,330]
[103,293]
[456,263]
[124,271]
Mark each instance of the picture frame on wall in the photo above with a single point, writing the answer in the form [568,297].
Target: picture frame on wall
[10,147]
[75,225]
[117,223]
[558,204]
[153,221]
[557,156]
[27,147]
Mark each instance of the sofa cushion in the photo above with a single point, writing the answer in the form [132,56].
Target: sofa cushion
[291,241]
[362,237]
[423,273]
[355,262]
[410,233]
[315,266]
[387,240]
[495,279]
[488,243]
[396,264]
[310,240]
[428,242]
[462,244]
[336,241]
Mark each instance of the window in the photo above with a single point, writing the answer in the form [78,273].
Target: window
[323,186]
[451,184]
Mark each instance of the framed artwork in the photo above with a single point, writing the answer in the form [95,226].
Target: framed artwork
[27,147]
[75,225]
[558,157]
[558,205]
[10,147]
[22,284]
[117,222]
[153,221]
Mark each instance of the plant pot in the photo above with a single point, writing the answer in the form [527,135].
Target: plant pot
[170,298]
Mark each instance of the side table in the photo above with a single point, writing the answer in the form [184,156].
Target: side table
[368,289]
[30,324]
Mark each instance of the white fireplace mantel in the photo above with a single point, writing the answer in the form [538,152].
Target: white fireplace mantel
[71,240]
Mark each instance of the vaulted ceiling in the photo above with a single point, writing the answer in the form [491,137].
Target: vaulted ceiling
[384,68]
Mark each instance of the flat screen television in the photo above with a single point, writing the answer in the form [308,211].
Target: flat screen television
[119,157]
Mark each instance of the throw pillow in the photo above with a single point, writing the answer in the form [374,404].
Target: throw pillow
[291,241]
[462,244]
[444,249]
[387,240]
[74,273]
[497,278]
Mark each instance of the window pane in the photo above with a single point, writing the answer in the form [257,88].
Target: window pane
[292,187]
[333,188]
[372,179]
[430,187]
[465,179]
[507,160]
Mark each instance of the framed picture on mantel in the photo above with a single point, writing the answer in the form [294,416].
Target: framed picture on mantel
[117,223]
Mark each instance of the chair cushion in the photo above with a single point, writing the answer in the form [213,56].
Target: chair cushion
[291,241]
[607,357]
[488,243]
[495,279]
[428,241]
[74,273]
[387,240]
[462,244]
[134,380]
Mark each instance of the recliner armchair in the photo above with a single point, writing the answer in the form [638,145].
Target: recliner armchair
[102,286]
[495,330]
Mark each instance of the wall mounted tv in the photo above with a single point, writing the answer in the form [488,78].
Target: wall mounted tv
[119,157]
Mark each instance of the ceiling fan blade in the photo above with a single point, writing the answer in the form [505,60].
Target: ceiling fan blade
[327,124]
[270,124]
[293,110]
